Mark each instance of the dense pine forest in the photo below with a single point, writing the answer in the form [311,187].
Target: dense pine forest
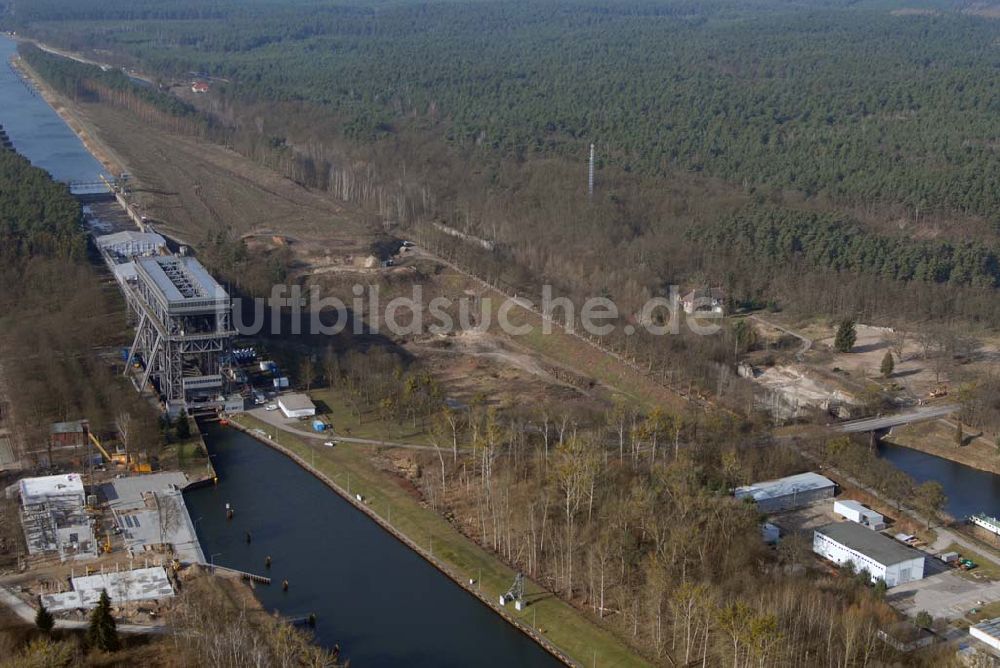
[849,100]
[38,217]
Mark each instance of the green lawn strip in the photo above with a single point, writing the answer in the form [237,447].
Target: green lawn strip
[564,626]
[988,611]
[345,423]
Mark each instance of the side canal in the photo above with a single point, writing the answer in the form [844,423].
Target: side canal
[381,602]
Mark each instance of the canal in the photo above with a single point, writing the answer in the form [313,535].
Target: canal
[969,490]
[379,600]
[37,131]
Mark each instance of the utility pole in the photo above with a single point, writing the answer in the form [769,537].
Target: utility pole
[590,177]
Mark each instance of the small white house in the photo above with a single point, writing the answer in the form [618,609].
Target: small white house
[882,557]
[856,512]
[296,406]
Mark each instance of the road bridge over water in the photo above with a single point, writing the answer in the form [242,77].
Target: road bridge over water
[883,422]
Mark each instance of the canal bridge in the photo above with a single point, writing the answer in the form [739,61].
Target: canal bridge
[886,422]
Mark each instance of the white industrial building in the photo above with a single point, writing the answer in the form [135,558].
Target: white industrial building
[54,516]
[882,557]
[856,512]
[786,493]
[131,243]
[988,633]
[296,406]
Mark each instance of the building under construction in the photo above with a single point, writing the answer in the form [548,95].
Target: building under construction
[183,329]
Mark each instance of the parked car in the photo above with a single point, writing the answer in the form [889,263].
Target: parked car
[271,407]
[329,444]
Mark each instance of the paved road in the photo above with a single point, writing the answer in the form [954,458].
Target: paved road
[945,594]
[279,421]
[887,421]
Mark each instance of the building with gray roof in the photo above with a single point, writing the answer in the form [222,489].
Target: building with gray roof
[787,493]
[883,558]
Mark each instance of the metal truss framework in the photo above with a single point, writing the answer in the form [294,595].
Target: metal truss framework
[184,326]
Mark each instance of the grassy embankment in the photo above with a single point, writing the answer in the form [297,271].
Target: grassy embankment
[938,438]
[350,467]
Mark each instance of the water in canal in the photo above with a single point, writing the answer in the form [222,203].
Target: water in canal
[36,130]
[969,490]
[381,602]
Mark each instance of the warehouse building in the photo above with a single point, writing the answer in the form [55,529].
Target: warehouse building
[296,406]
[856,512]
[787,493]
[882,557]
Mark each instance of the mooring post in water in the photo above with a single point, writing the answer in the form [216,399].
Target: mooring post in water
[267,561]
[284,585]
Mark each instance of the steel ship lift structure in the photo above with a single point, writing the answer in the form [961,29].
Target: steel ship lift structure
[184,329]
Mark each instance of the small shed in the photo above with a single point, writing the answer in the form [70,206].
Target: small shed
[858,513]
[296,406]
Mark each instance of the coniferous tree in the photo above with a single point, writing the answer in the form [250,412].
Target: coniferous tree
[888,365]
[43,618]
[846,336]
[103,632]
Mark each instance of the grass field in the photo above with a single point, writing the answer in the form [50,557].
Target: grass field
[984,567]
[395,502]
[332,406]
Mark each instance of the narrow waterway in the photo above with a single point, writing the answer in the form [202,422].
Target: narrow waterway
[969,490]
[37,131]
[380,601]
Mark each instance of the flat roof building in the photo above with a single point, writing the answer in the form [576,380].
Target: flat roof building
[131,243]
[988,633]
[54,516]
[793,491]
[68,486]
[296,406]
[883,558]
[855,512]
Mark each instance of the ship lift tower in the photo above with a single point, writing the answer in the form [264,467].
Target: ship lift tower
[184,331]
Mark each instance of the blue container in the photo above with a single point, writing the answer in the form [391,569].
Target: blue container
[319,425]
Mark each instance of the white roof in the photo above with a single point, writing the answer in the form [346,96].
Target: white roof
[52,485]
[126,270]
[295,402]
[851,504]
[130,236]
[793,484]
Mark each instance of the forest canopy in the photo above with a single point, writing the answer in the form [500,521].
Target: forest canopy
[849,100]
[38,217]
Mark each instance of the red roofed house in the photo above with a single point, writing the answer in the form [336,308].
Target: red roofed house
[199,87]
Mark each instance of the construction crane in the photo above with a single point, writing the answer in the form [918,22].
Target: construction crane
[100,448]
